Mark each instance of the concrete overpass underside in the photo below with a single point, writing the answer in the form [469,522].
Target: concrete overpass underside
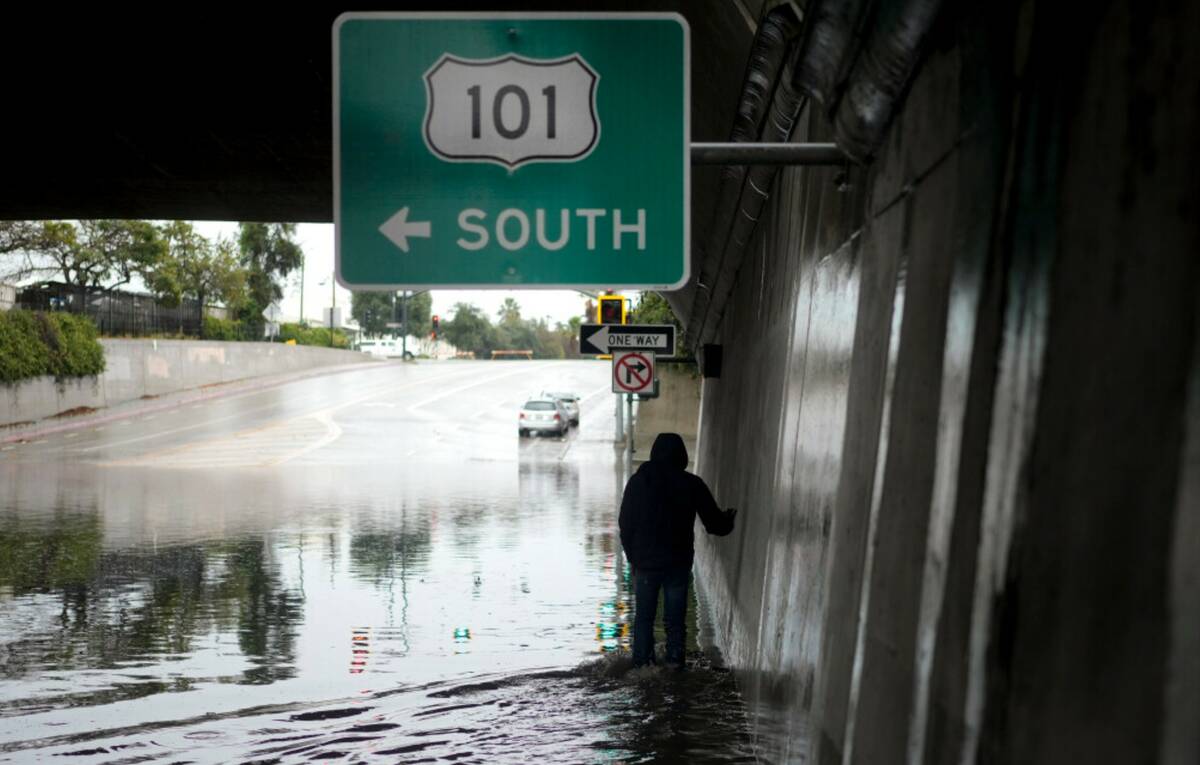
[225,112]
[959,394]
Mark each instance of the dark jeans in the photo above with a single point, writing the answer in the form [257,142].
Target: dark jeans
[674,584]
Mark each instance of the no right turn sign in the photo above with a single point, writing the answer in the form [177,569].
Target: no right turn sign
[633,372]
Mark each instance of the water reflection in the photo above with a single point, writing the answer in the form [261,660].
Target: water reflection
[432,610]
[74,609]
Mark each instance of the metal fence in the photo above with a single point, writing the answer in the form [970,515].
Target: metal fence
[115,313]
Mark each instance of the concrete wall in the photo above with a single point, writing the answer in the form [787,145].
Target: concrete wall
[676,410]
[952,411]
[137,368]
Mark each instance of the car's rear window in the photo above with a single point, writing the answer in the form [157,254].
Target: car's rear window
[539,406]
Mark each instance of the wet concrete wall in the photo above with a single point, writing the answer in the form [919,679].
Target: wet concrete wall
[953,411]
[138,368]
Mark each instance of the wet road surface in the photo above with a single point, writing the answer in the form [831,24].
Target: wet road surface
[368,566]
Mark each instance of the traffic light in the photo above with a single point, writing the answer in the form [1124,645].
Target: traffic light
[434,320]
[612,309]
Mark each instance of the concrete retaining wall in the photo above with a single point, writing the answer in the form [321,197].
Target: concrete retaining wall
[676,410]
[137,368]
[952,412]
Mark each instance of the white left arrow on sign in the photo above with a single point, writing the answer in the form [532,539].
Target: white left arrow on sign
[600,340]
[399,228]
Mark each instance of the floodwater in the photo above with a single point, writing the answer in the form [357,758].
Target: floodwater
[367,567]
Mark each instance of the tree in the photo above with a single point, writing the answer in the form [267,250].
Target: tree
[547,342]
[513,332]
[469,329]
[268,253]
[17,238]
[90,254]
[510,312]
[16,235]
[568,336]
[96,254]
[653,308]
[130,248]
[373,311]
[199,269]
[420,311]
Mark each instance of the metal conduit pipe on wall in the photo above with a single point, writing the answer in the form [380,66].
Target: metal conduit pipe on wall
[785,108]
[776,33]
[881,74]
[831,29]
[860,83]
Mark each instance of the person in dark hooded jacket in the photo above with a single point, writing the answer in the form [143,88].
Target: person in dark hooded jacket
[658,515]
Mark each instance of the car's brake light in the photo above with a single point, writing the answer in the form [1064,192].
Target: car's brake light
[557,417]
[522,415]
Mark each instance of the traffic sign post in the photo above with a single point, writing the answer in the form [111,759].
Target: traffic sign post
[511,150]
[657,339]
[633,372]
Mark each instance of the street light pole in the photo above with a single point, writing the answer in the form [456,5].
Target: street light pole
[332,308]
[404,327]
[302,289]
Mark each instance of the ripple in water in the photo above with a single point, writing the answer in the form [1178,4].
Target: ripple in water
[603,710]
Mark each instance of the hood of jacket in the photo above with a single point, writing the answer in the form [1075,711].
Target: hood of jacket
[669,451]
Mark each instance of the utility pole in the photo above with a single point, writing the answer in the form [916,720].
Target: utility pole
[301,289]
[332,308]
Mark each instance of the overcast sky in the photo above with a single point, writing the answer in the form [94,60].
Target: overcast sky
[316,239]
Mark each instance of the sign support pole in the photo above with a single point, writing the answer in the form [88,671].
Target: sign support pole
[620,420]
[629,434]
[767,154]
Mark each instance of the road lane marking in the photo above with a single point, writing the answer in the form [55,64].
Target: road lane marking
[332,433]
[598,391]
[324,416]
[236,416]
[223,399]
[470,385]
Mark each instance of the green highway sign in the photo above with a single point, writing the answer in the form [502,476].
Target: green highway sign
[511,150]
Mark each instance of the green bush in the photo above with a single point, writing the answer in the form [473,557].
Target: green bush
[22,352]
[79,353]
[221,329]
[33,344]
[312,335]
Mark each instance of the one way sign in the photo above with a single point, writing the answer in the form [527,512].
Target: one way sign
[656,339]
